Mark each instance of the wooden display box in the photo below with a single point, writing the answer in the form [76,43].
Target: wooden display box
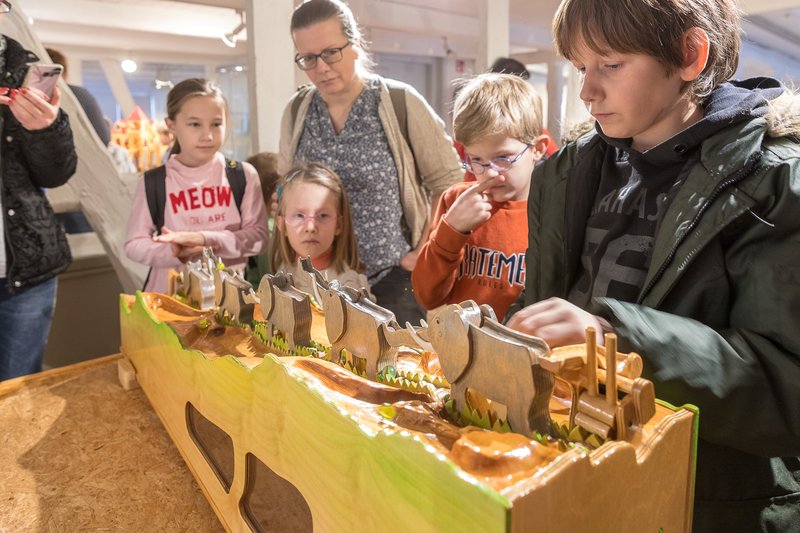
[276,448]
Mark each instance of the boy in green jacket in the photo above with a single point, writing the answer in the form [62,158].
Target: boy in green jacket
[676,224]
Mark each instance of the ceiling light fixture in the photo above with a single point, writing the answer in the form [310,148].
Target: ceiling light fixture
[231,38]
[128,65]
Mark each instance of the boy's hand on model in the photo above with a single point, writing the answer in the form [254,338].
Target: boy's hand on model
[472,208]
[557,321]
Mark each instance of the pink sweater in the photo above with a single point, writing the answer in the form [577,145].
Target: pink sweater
[199,199]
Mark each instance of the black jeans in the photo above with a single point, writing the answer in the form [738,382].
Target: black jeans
[394,293]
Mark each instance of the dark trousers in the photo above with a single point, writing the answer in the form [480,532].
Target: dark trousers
[394,293]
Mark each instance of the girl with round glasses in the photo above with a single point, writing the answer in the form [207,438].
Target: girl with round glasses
[37,152]
[314,221]
[347,118]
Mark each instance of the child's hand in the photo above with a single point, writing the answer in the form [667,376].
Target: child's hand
[472,208]
[556,321]
[182,238]
[185,253]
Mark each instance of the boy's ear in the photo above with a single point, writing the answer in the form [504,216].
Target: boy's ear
[695,48]
[540,146]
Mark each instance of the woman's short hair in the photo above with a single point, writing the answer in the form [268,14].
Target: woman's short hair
[314,11]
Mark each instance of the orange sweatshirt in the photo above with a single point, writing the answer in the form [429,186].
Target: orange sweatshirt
[487,265]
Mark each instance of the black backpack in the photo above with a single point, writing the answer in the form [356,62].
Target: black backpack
[155,189]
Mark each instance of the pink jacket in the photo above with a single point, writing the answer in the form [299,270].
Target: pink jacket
[199,199]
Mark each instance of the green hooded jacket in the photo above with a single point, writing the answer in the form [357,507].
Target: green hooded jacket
[718,320]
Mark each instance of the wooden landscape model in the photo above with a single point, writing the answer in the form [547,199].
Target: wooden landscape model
[298,413]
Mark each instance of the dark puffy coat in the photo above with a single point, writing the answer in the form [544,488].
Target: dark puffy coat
[716,322]
[36,247]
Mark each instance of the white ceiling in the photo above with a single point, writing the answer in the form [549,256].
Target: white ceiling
[181,30]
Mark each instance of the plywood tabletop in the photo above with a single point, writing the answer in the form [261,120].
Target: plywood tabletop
[78,453]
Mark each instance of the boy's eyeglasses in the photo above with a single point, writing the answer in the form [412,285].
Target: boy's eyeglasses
[299,220]
[499,164]
[5,6]
[329,56]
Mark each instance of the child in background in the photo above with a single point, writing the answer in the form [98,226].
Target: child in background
[313,220]
[266,164]
[675,225]
[476,250]
[200,209]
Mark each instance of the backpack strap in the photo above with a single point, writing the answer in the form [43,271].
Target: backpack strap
[234,170]
[155,190]
[298,98]
[397,94]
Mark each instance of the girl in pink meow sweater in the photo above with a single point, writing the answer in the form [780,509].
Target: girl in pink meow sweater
[200,210]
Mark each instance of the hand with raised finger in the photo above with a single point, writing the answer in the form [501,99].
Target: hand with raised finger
[473,207]
[32,109]
[557,321]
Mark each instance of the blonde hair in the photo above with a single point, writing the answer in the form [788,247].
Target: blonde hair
[655,28]
[345,249]
[185,91]
[491,104]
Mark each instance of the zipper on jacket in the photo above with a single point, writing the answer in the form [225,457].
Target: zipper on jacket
[741,174]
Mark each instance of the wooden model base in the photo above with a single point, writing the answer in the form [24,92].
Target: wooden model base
[298,443]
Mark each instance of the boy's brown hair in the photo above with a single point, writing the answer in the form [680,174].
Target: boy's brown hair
[266,164]
[655,28]
[492,104]
[345,248]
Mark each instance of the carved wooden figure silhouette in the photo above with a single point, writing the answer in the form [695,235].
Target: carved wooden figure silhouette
[357,324]
[234,295]
[477,352]
[286,309]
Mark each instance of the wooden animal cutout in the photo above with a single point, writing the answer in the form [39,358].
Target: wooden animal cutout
[234,295]
[286,308]
[357,324]
[477,352]
[196,281]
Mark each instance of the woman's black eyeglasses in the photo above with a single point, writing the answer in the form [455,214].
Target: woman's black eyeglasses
[329,56]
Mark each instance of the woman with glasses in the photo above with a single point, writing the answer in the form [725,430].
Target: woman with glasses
[379,135]
[37,151]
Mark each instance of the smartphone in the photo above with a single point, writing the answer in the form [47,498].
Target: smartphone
[43,77]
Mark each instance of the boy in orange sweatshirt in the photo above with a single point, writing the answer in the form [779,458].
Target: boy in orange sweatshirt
[476,249]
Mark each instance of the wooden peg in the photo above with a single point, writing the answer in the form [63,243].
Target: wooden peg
[611,369]
[591,361]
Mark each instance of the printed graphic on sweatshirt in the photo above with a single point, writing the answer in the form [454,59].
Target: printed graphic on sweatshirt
[201,204]
[618,244]
[492,268]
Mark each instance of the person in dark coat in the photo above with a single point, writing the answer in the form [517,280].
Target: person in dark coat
[37,152]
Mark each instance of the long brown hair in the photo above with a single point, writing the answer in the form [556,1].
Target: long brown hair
[345,249]
[186,90]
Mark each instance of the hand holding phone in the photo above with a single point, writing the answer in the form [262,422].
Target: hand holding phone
[43,78]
